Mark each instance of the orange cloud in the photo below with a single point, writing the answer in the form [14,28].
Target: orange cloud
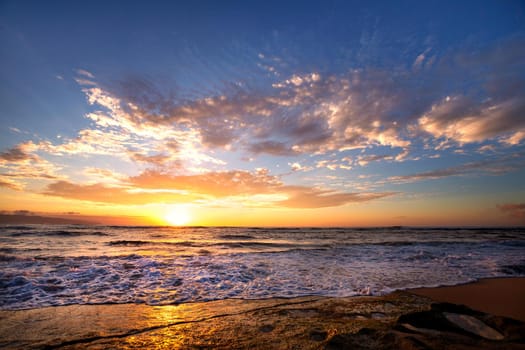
[514,210]
[155,187]
[114,195]
[216,184]
[13,185]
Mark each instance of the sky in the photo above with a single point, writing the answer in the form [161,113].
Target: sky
[264,113]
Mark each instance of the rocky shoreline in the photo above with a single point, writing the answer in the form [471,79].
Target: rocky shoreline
[400,320]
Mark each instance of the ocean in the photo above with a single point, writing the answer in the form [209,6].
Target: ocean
[48,265]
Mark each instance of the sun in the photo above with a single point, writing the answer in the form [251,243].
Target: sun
[177,215]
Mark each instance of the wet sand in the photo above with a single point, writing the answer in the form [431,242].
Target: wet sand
[401,320]
[496,296]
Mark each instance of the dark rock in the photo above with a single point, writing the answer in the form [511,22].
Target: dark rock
[365,339]
[427,320]
[318,334]
[473,325]
[513,330]
[266,328]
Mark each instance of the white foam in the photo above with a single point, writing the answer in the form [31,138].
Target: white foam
[171,277]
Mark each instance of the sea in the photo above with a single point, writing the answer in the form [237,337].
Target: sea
[49,265]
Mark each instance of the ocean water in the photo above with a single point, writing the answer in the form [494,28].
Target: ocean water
[45,265]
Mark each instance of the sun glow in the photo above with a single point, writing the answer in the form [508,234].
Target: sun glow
[177,215]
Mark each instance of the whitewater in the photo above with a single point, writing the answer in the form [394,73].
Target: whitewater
[49,265]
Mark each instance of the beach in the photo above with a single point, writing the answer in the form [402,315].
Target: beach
[99,287]
[497,296]
[400,320]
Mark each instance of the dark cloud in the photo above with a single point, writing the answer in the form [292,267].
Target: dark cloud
[16,154]
[492,166]
[156,159]
[23,212]
[271,147]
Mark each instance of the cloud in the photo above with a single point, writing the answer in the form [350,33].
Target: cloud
[465,121]
[17,154]
[23,212]
[85,73]
[296,166]
[105,176]
[8,183]
[516,211]
[21,163]
[90,142]
[155,187]
[364,160]
[380,114]
[271,147]
[303,197]
[155,159]
[216,184]
[497,166]
[102,193]
[486,99]
[316,112]
[303,114]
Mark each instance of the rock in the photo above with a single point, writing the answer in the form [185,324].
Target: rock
[307,323]
[318,334]
[266,328]
[411,328]
[473,325]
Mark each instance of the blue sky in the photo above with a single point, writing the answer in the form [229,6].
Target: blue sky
[330,104]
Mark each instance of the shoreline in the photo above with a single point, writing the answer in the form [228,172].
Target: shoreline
[511,287]
[400,320]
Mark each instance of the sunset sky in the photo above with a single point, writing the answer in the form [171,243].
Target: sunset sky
[294,113]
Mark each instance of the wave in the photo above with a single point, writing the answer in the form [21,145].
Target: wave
[514,269]
[128,243]
[237,244]
[232,236]
[60,233]
[18,227]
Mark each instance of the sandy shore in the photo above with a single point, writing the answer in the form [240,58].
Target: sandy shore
[497,296]
[401,320]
